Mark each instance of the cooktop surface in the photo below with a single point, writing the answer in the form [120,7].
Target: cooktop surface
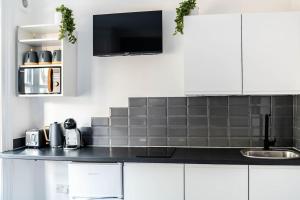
[157,152]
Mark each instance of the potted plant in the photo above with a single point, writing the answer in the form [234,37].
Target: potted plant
[184,9]
[67,24]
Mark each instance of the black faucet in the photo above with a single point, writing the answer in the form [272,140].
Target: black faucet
[267,142]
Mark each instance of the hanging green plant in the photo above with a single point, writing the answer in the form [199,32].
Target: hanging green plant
[184,9]
[67,24]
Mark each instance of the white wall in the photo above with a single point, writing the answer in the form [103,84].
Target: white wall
[108,82]
[17,112]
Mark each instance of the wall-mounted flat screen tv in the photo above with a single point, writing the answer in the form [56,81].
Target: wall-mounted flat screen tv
[127,33]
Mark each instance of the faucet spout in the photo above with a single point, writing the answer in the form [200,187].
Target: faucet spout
[267,141]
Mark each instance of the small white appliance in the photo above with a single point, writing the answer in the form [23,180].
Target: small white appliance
[72,134]
[95,181]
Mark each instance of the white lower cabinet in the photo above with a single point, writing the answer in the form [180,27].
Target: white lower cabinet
[216,182]
[274,182]
[152,181]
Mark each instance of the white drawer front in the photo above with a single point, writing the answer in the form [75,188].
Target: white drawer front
[96,180]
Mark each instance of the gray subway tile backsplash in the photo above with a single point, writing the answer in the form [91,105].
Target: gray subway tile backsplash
[100,130]
[157,131]
[218,111]
[137,131]
[157,141]
[137,111]
[219,142]
[296,128]
[239,132]
[137,102]
[137,141]
[218,101]
[98,141]
[154,122]
[177,101]
[218,132]
[119,141]
[197,101]
[119,121]
[197,110]
[197,132]
[119,131]
[157,112]
[119,112]
[175,131]
[177,121]
[240,110]
[260,100]
[177,111]
[177,141]
[157,101]
[239,100]
[100,121]
[240,142]
[197,141]
[137,121]
[234,121]
[197,121]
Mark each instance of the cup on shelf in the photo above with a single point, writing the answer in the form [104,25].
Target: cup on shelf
[56,59]
[30,58]
[45,57]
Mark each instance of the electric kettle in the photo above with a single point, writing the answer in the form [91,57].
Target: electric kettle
[56,136]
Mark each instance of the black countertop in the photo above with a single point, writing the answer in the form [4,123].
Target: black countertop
[137,154]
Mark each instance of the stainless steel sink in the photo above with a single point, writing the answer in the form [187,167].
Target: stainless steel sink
[271,154]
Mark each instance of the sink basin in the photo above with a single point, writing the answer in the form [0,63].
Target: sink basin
[270,154]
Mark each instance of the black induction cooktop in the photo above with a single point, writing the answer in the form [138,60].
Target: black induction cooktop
[157,152]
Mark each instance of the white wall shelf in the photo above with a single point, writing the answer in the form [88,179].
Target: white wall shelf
[40,28]
[41,42]
[45,37]
[50,65]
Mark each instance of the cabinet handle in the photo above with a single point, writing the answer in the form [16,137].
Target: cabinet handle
[95,198]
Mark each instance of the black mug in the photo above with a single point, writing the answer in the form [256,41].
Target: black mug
[56,57]
[45,57]
[30,58]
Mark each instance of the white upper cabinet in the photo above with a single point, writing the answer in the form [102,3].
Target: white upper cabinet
[274,182]
[212,56]
[271,53]
[216,182]
[153,181]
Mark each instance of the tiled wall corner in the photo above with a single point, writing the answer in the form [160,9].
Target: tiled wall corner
[99,136]
[157,121]
[197,121]
[137,121]
[297,121]
[177,121]
[119,126]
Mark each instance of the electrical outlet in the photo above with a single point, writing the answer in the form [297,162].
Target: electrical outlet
[62,189]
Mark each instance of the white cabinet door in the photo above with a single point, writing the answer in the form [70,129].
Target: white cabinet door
[95,180]
[271,53]
[153,181]
[212,54]
[216,182]
[274,182]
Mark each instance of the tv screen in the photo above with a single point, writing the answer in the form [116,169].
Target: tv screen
[127,33]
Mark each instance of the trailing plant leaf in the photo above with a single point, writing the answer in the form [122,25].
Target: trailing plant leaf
[67,24]
[184,9]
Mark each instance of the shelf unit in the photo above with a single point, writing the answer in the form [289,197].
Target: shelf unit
[46,37]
